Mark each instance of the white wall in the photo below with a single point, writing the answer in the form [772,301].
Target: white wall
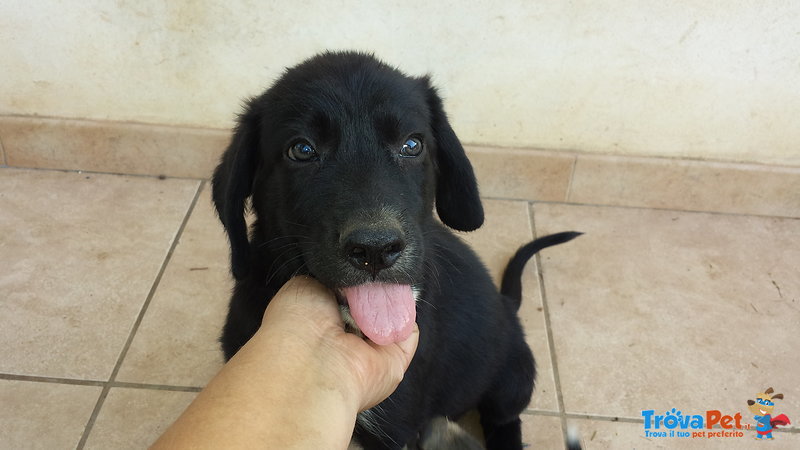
[704,79]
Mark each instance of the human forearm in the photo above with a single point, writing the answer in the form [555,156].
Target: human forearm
[297,384]
[269,396]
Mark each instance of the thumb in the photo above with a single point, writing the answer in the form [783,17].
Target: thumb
[395,359]
[409,346]
[400,353]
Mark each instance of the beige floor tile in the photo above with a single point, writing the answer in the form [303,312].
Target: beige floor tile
[660,309]
[542,431]
[44,415]
[79,255]
[522,174]
[686,185]
[532,316]
[2,153]
[598,434]
[112,146]
[135,418]
[508,227]
[176,343]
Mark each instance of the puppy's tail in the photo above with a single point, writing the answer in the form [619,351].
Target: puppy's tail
[512,277]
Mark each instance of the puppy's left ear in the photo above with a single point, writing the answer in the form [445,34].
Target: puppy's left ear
[232,185]
[457,201]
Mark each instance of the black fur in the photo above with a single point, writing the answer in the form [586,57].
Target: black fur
[357,113]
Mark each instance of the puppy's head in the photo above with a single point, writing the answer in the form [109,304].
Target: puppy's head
[344,158]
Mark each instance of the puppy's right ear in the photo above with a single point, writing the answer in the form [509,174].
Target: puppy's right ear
[457,200]
[233,184]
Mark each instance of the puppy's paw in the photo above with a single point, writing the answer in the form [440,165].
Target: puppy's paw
[441,434]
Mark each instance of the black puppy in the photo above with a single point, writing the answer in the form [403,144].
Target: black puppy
[343,158]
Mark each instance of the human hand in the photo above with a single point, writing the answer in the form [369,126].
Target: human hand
[297,383]
[304,316]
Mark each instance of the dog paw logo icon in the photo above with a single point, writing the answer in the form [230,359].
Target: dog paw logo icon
[762,408]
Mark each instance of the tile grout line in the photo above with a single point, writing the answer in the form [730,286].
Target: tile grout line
[604,418]
[649,208]
[112,380]
[54,380]
[3,151]
[79,382]
[155,387]
[548,328]
[100,172]
[117,122]
[572,171]
[586,416]
[622,419]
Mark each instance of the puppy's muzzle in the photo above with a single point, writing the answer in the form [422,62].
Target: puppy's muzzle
[373,249]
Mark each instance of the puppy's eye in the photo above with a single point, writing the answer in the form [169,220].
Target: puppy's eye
[411,148]
[302,151]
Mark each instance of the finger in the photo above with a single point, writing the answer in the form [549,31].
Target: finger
[388,366]
[403,350]
[306,286]
[306,297]
[397,357]
[409,346]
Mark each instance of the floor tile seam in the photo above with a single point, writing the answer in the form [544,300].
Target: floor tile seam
[586,416]
[98,383]
[126,347]
[624,419]
[154,387]
[113,122]
[648,208]
[157,280]
[3,151]
[541,412]
[101,172]
[549,332]
[603,418]
[631,157]
[573,169]
[51,380]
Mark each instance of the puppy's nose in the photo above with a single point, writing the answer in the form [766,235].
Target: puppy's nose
[373,249]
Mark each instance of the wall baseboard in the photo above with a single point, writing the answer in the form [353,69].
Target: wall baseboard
[114,147]
[523,174]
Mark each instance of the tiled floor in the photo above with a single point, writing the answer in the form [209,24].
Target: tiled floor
[114,289]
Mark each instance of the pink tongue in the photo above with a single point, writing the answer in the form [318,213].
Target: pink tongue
[385,313]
